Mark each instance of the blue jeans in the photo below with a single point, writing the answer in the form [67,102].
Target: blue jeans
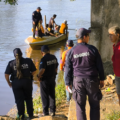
[67,93]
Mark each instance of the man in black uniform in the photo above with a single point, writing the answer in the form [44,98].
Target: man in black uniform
[21,70]
[46,76]
[36,18]
[85,64]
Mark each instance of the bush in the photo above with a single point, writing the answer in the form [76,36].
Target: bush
[37,105]
[113,116]
[60,93]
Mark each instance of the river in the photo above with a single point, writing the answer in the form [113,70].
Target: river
[15,27]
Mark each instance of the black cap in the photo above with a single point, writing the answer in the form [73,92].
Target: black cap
[17,51]
[81,32]
[69,43]
[44,48]
[39,8]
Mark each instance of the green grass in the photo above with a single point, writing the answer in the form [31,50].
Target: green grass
[37,105]
[60,93]
[113,116]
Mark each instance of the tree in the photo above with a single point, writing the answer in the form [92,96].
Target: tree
[11,2]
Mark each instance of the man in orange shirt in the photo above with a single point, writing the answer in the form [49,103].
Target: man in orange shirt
[63,27]
[69,45]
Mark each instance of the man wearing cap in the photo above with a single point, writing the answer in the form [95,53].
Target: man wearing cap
[85,64]
[46,76]
[36,18]
[21,70]
[69,45]
[63,27]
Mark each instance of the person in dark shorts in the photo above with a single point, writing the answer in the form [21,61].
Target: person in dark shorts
[36,21]
[47,74]
[114,34]
[21,71]
[85,64]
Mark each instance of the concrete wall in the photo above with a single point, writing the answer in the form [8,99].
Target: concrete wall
[104,14]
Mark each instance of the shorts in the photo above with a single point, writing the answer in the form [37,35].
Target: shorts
[117,82]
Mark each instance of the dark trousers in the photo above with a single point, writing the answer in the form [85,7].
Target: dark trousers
[47,91]
[22,90]
[39,33]
[90,87]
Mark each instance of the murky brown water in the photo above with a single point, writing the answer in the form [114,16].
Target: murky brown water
[15,27]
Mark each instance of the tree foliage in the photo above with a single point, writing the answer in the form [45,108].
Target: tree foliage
[11,2]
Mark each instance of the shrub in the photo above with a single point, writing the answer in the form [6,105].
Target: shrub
[113,116]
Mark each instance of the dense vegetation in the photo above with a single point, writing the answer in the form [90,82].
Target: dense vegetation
[11,2]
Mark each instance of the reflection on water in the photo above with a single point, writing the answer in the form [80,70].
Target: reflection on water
[36,56]
[15,27]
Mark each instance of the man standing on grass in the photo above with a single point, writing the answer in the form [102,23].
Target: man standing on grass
[46,76]
[85,64]
[114,34]
[69,45]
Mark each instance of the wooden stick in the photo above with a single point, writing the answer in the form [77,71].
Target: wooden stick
[45,21]
[73,29]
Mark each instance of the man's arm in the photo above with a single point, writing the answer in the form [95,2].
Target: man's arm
[100,69]
[62,62]
[40,18]
[33,72]
[42,68]
[33,18]
[68,69]
[40,73]
[52,34]
[7,79]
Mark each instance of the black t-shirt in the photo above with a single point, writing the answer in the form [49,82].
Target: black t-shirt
[36,17]
[27,66]
[50,64]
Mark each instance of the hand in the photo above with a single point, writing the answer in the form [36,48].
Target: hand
[70,86]
[39,78]
[40,21]
[33,22]
[101,84]
[9,83]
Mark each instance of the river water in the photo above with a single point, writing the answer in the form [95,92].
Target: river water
[15,27]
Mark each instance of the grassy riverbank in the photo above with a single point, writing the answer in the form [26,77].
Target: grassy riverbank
[113,116]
